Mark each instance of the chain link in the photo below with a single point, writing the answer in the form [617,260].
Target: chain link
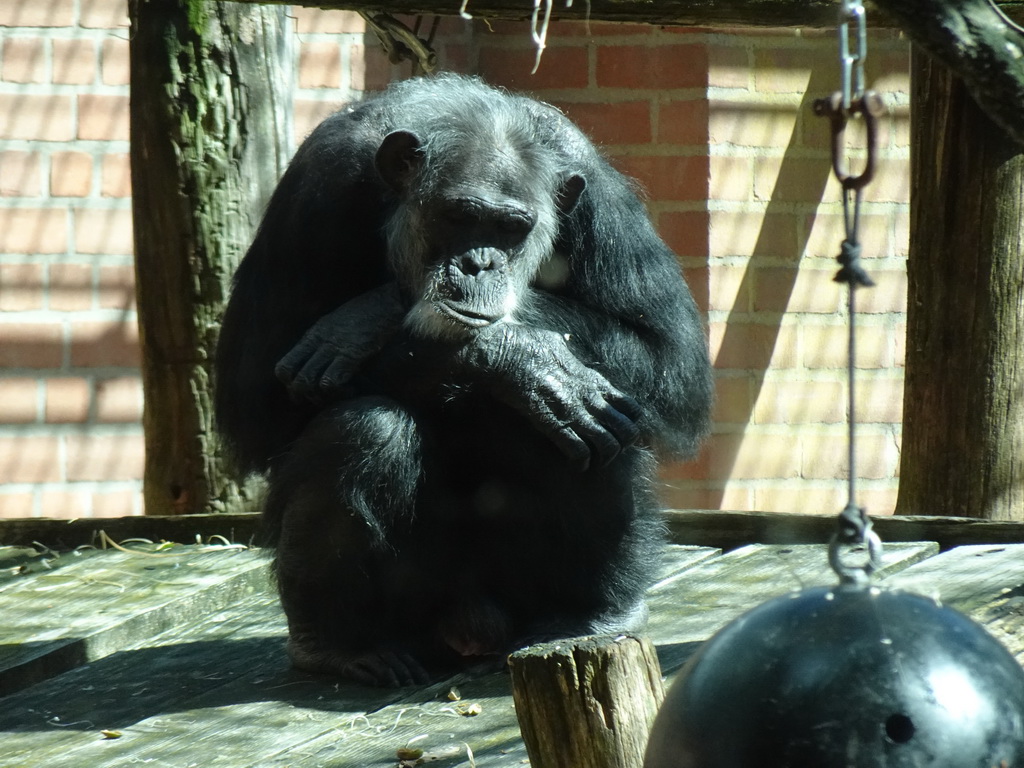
[849,103]
[851,65]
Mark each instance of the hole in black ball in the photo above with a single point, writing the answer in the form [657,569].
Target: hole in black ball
[899,729]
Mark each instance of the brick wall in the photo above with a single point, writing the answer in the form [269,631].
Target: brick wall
[716,125]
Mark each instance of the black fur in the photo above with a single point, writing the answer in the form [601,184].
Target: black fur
[457,482]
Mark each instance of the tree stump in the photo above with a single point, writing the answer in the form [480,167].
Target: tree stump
[587,701]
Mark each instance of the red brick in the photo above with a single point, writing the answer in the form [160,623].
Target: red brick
[728,67]
[668,177]
[787,289]
[105,344]
[560,68]
[70,287]
[37,13]
[102,117]
[74,62]
[697,280]
[114,61]
[116,176]
[24,60]
[70,174]
[369,68]
[18,504]
[654,67]
[316,20]
[729,288]
[732,400]
[826,456]
[116,504]
[64,505]
[683,123]
[309,114]
[693,469]
[730,178]
[753,347]
[612,123]
[116,288]
[794,180]
[753,234]
[824,347]
[800,402]
[319,65]
[20,174]
[103,14]
[685,232]
[34,459]
[19,401]
[104,457]
[787,70]
[106,232]
[38,117]
[21,288]
[674,497]
[827,231]
[805,499]
[31,345]
[880,401]
[745,124]
[889,295]
[754,456]
[67,400]
[119,399]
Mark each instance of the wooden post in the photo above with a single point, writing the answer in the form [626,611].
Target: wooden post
[211,134]
[587,701]
[963,429]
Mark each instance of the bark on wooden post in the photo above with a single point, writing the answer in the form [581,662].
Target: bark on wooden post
[587,701]
[963,429]
[211,134]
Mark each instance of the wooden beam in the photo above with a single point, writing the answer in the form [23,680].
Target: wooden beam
[693,13]
[981,43]
[710,528]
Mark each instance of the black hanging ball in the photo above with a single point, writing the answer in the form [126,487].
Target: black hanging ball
[845,677]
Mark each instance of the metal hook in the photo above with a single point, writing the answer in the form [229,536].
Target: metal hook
[870,107]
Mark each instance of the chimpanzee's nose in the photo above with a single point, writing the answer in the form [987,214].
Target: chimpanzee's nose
[480,260]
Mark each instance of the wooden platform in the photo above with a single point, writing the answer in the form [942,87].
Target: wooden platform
[175,657]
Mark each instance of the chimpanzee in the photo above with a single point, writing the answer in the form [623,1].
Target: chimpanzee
[455,346]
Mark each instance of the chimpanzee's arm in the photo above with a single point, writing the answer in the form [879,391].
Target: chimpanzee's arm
[330,353]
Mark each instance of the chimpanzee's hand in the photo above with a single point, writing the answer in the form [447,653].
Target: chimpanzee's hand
[331,352]
[534,371]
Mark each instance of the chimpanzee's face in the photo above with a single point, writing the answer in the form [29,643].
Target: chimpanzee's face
[470,234]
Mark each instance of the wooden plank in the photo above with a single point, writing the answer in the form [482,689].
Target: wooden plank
[985,582]
[699,13]
[56,620]
[676,558]
[713,528]
[689,608]
[184,529]
[219,692]
[709,528]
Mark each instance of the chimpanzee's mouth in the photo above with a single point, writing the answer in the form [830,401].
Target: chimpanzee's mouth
[464,315]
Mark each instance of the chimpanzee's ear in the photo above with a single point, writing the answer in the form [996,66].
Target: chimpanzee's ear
[398,158]
[569,193]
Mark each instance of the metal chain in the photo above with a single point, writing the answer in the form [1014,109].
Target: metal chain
[851,65]
[852,101]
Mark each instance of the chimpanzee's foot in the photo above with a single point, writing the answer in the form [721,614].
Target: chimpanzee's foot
[383,668]
[633,620]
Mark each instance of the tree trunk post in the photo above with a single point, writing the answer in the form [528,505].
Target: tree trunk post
[587,701]
[963,428]
[211,132]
